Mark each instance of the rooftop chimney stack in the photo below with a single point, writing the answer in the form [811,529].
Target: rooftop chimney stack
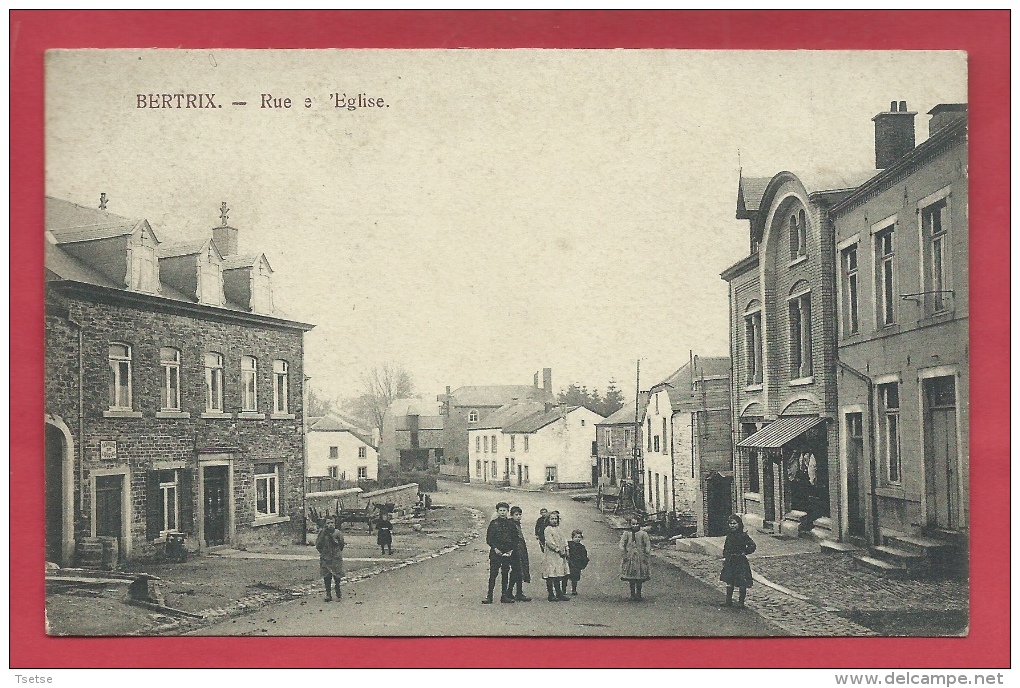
[536,380]
[225,236]
[894,134]
[944,114]
[547,379]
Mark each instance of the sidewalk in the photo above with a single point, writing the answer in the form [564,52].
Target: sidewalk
[225,582]
[810,593]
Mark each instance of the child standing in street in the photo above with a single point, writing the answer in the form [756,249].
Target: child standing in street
[555,569]
[577,558]
[330,544]
[501,537]
[384,534]
[637,554]
[736,571]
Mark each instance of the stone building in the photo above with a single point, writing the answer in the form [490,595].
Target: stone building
[554,448]
[341,450]
[173,388]
[902,280]
[412,436]
[688,453]
[619,444]
[466,407]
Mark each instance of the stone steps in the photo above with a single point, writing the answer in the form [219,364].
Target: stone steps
[836,547]
[880,566]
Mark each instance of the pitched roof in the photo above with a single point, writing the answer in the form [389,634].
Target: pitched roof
[749,194]
[679,385]
[69,222]
[509,413]
[334,424]
[65,267]
[424,423]
[182,248]
[243,260]
[623,416]
[751,190]
[498,395]
[537,421]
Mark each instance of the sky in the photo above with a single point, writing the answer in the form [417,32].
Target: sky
[502,212]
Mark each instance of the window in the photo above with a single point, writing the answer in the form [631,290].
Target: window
[582,422]
[800,336]
[608,437]
[249,383]
[334,472]
[214,382]
[851,310]
[753,476]
[120,377]
[798,235]
[362,452]
[170,397]
[656,404]
[649,488]
[281,387]
[656,443]
[752,345]
[934,227]
[485,443]
[267,490]
[493,444]
[513,442]
[144,264]
[665,444]
[649,433]
[885,279]
[626,438]
[334,453]
[170,503]
[550,474]
[210,278]
[362,472]
[472,416]
[478,468]
[493,474]
[478,443]
[889,408]
[526,443]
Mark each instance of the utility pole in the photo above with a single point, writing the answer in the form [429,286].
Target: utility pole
[638,468]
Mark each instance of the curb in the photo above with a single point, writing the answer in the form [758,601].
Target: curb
[250,603]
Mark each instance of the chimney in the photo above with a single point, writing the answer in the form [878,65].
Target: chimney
[536,380]
[225,236]
[547,379]
[944,114]
[894,134]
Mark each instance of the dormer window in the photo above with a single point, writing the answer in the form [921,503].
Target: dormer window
[262,288]
[472,416]
[210,278]
[143,267]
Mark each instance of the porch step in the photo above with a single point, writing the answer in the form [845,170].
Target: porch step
[836,547]
[920,544]
[954,537]
[883,568]
[900,557]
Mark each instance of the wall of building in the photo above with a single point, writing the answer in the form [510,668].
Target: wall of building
[347,461]
[658,464]
[919,344]
[614,448]
[565,444]
[149,441]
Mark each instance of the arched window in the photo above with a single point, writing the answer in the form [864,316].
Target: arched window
[798,234]
[170,361]
[472,416]
[800,330]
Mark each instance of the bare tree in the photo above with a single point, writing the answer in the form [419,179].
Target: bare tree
[381,386]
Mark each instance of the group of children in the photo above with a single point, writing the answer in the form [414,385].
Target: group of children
[562,559]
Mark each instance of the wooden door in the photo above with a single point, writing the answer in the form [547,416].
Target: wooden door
[109,505]
[855,479]
[940,449]
[216,504]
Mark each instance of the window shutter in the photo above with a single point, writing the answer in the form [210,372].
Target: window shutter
[153,506]
[187,524]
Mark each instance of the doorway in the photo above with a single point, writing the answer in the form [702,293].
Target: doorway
[520,475]
[55,449]
[719,504]
[940,453]
[854,479]
[216,504]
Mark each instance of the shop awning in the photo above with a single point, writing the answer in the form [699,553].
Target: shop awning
[777,434]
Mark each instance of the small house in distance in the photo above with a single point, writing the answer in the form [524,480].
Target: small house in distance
[556,447]
[341,450]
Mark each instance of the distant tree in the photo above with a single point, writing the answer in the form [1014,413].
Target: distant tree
[613,401]
[381,386]
[318,404]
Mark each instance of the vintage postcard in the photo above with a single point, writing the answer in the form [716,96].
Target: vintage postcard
[421,342]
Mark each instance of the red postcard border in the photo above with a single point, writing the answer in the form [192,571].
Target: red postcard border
[984,35]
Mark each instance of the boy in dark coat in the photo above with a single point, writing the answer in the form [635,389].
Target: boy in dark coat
[501,538]
[330,544]
[540,524]
[520,572]
[577,559]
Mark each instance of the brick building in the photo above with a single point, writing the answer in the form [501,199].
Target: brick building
[412,435]
[902,278]
[497,458]
[783,349]
[173,388]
